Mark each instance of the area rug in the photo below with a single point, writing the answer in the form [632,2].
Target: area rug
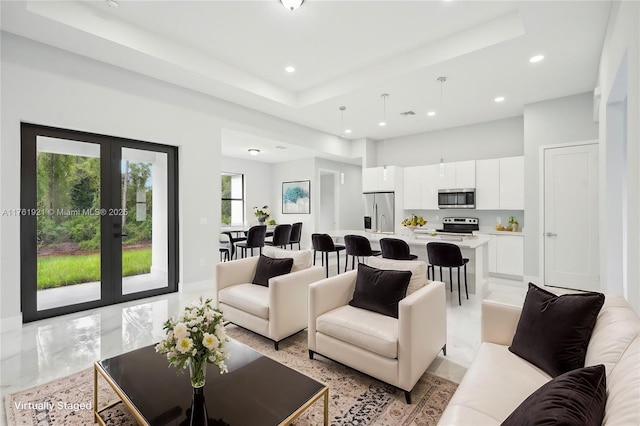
[354,398]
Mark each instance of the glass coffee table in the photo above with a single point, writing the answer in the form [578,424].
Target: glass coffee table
[256,391]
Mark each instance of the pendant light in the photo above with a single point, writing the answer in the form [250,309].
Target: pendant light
[292,4]
[384,97]
[441,80]
[342,110]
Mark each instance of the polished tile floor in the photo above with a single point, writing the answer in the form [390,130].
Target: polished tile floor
[49,349]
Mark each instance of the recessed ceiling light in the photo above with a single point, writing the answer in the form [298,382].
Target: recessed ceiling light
[112,3]
[290,69]
[536,58]
[347,131]
[382,124]
[281,147]
[431,113]
[499,99]
[254,151]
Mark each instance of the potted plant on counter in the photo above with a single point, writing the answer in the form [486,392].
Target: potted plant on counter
[513,224]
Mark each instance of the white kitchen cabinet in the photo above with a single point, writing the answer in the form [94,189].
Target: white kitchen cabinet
[510,254]
[465,174]
[457,175]
[488,184]
[512,183]
[380,178]
[413,188]
[447,178]
[429,187]
[500,184]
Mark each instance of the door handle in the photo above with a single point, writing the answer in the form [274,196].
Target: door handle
[551,234]
[120,235]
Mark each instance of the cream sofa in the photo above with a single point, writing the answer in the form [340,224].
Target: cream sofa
[395,350]
[277,311]
[498,381]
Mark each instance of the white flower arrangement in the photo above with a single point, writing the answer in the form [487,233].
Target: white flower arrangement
[263,213]
[196,338]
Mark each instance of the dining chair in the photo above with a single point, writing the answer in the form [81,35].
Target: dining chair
[281,236]
[255,239]
[296,234]
[232,242]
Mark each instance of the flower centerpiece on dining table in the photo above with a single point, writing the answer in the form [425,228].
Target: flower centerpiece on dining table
[262,214]
[414,221]
[195,339]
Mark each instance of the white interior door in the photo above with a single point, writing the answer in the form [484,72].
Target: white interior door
[571,217]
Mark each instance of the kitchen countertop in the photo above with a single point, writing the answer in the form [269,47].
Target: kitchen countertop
[421,239]
[494,232]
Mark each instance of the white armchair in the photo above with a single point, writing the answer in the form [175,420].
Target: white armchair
[277,311]
[396,351]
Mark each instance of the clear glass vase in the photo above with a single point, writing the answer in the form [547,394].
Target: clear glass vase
[197,372]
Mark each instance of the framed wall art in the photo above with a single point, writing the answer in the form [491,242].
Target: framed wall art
[295,197]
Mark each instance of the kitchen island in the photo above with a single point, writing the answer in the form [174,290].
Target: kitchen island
[473,247]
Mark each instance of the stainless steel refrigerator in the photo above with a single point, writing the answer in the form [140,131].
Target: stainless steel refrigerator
[379,211]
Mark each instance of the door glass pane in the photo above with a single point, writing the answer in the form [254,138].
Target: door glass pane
[144,212]
[68,222]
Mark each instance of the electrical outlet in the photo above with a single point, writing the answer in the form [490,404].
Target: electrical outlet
[498,220]
[203,221]
[437,218]
[202,262]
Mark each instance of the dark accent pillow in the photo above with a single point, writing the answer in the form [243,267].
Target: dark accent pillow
[553,331]
[576,398]
[269,267]
[380,290]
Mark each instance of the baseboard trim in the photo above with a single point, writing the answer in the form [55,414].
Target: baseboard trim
[11,323]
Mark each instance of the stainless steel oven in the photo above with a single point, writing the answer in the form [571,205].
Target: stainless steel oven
[457,198]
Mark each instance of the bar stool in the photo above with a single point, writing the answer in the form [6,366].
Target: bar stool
[255,239]
[395,248]
[325,245]
[449,256]
[281,236]
[358,246]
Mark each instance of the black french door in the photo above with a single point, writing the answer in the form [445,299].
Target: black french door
[98,220]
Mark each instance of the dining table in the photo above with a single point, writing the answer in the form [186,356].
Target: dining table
[239,233]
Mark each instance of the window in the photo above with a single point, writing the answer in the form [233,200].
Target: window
[232,199]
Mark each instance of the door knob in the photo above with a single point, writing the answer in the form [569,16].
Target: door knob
[551,234]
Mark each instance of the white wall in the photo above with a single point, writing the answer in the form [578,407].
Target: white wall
[349,194]
[493,139]
[293,171]
[257,184]
[48,86]
[621,49]
[555,121]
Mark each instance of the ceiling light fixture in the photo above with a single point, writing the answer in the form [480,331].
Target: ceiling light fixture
[536,58]
[441,80]
[342,131]
[431,113]
[113,3]
[347,131]
[254,151]
[290,69]
[384,97]
[499,99]
[292,4]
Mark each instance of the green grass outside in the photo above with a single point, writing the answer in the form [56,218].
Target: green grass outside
[58,271]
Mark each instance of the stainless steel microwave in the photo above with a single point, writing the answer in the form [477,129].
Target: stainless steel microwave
[457,198]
